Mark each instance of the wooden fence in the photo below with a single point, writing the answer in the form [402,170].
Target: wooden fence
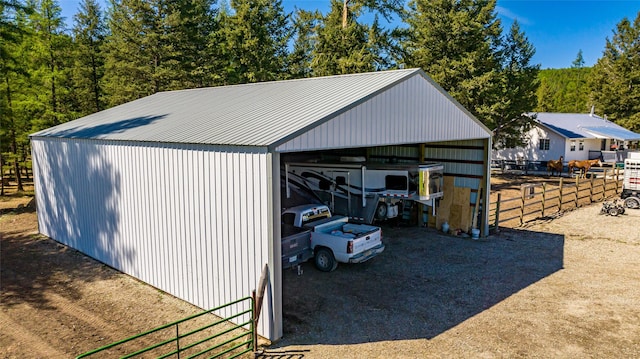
[542,200]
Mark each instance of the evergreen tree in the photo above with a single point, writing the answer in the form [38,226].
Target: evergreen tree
[615,79]
[132,50]
[578,63]
[305,25]
[456,42]
[156,46]
[341,49]
[356,47]
[253,39]
[194,58]
[48,50]
[89,34]
[12,131]
[545,98]
[517,94]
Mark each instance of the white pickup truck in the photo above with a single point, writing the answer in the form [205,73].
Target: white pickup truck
[334,239]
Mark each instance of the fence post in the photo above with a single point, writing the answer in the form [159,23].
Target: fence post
[544,196]
[254,323]
[577,191]
[604,183]
[560,194]
[257,303]
[591,189]
[498,213]
[178,341]
[522,197]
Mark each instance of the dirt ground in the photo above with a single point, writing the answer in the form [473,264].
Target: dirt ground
[561,288]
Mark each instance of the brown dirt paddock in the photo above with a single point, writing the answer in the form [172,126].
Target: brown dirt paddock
[564,288]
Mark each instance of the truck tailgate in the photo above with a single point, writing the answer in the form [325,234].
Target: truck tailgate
[366,236]
[295,245]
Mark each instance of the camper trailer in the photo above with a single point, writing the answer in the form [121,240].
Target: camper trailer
[367,192]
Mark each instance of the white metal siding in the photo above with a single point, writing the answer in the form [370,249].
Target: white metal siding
[413,111]
[531,150]
[461,160]
[189,220]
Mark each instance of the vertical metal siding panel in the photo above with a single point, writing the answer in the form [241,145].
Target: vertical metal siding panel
[153,173]
[208,235]
[219,230]
[200,246]
[150,175]
[174,218]
[189,234]
[192,233]
[240,180]
[231,207]
[265,231]
[178,219]
[246,227]
[117,158]
[160,193]
[138,214]
[189,224]
[128,182]
[142,241]
[227,218]
[142,226]
[189,221]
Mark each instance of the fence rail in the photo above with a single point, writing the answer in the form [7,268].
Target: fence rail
[540,200]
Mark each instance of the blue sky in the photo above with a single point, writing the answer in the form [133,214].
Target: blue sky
[557,29]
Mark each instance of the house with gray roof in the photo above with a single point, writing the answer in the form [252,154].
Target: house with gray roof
[574,136]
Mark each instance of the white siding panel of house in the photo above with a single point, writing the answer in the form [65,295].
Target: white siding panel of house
[531,150]
[190,220]
[413,111]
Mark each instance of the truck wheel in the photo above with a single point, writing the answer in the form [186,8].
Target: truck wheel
[613,211]
[632,202]
[381,211]
[325,261]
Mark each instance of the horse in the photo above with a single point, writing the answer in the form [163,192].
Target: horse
[555,166]
[583,165]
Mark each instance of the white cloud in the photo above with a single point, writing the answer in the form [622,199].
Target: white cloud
[503,11]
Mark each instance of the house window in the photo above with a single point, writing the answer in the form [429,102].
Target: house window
[544,144]
[573,146]
[581,146]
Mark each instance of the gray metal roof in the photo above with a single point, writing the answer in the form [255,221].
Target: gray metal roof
[258,114]
[578,125]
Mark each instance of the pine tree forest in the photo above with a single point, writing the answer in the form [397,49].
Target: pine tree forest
[52,72]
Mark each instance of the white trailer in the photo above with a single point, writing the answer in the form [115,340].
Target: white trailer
[368,191]
[631,181]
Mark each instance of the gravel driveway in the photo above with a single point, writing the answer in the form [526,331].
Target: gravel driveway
[563,288]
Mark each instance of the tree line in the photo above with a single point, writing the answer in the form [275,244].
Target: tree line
[133,48]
